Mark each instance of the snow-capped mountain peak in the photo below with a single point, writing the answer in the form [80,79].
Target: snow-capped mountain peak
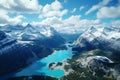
[94,37]
[42,34]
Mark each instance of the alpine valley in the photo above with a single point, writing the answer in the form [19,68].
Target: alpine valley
[59,39]
[95,53]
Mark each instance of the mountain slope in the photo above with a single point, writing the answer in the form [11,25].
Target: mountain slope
[15,56]
[99,38]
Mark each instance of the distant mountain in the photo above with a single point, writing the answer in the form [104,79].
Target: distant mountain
[15,55]
[43,35]
[70,37]
[99,38]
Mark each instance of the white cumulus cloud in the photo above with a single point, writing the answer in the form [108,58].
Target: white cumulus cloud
[115,23]
[74,9]
[28,6]
[98,6]
[81,8]
[71,25]
[17,6]
[5,19]
[53,9]
[109,12]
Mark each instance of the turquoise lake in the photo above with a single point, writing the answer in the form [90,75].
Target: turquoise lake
[41,66]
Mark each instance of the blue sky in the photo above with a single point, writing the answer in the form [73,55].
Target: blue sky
[63,15]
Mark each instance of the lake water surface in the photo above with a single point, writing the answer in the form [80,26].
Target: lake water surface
[41,66]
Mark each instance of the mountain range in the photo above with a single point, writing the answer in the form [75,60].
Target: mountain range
[43,35]
[105,39]
[24,45]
